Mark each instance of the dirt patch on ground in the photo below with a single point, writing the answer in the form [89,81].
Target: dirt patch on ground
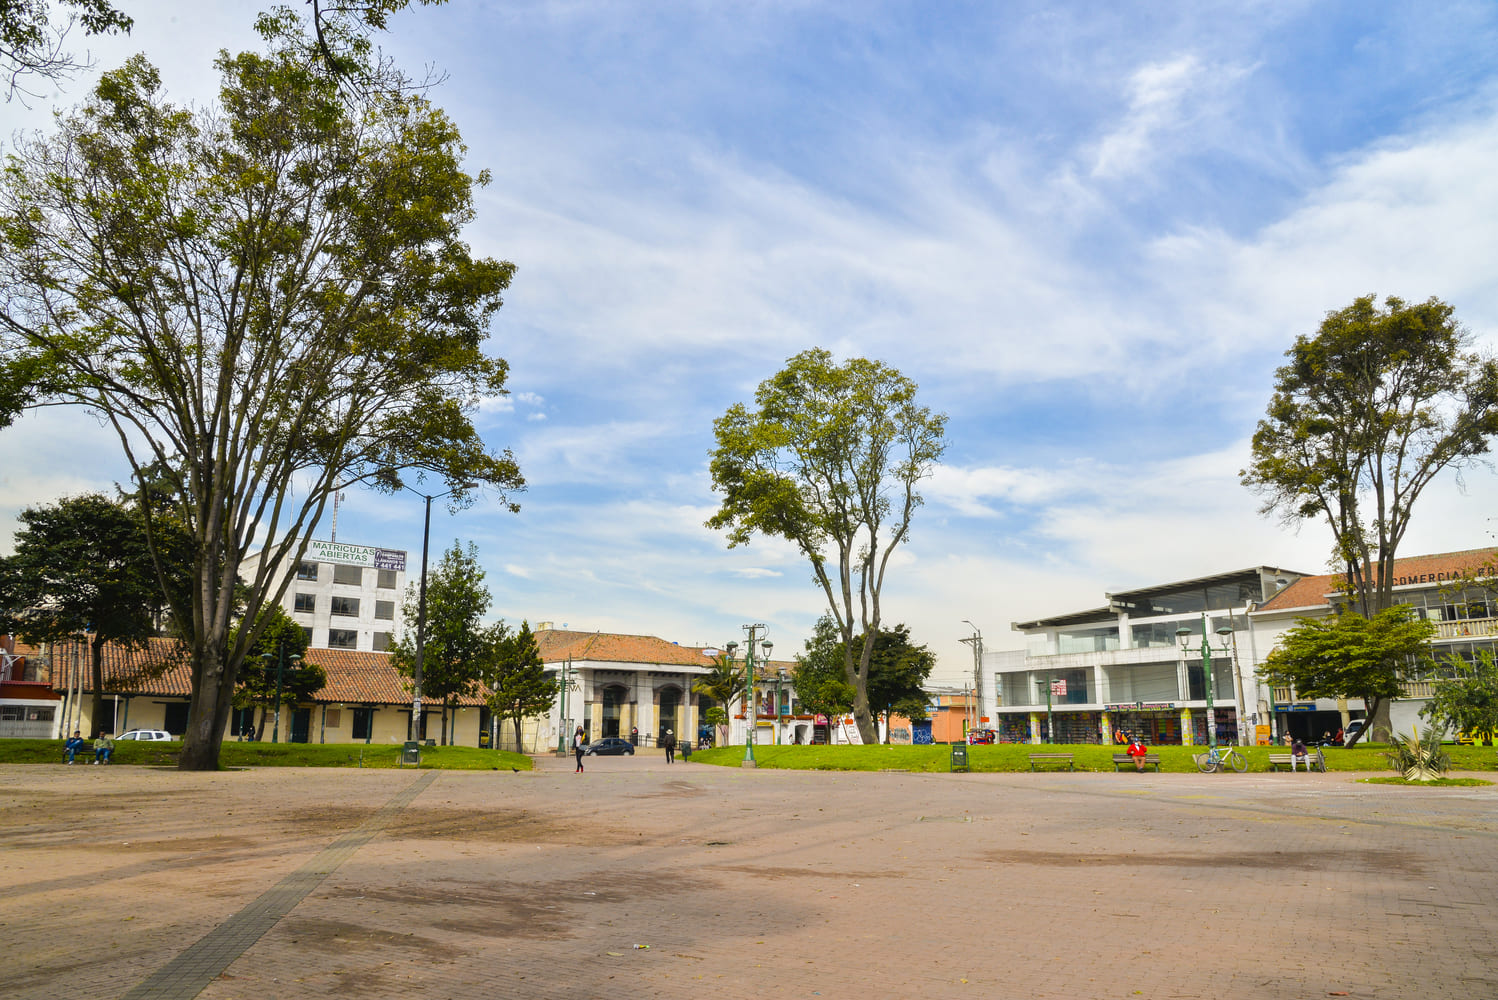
[780,873]
[1367,861]
[335,936]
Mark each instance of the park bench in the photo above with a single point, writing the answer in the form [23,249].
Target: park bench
[1052,758]
[1120,759]
[85,753]
[1316,761]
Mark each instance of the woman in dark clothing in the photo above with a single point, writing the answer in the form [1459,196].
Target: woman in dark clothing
[577,749]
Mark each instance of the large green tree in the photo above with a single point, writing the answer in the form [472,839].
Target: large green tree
[269,292]
[458,649]
[1346,655]
[81,567]
[897,676]
[519,684]
[819,676]
[1364,416]
[829,460]
[1467,703]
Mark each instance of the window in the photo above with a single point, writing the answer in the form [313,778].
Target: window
[306,571]
[333,718]
[386,580]
[305,602]
[349,574]
[385,610]
[346,606]
[363,723]
[174,718]
[381,642]
[307,634]
[343,638]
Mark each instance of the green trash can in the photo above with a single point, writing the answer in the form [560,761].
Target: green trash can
[959,757]
[411,753]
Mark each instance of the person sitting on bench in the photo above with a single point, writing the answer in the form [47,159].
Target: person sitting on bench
[1137,751]
[1298,754]
[103,749]
[73,745]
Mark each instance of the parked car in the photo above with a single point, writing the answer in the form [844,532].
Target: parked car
[609,746]
[985,737]
[154,735]
[1353,728]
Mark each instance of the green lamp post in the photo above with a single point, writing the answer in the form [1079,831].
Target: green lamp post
[1184,635]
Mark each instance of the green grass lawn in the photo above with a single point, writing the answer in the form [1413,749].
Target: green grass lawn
[1016,757]
[236,754]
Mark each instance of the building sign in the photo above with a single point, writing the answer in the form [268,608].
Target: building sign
[1058,688]
[356,555]
[1141,706]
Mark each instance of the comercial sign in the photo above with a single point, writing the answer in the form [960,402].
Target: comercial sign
[1058,688]
[1141,706]
[356,555]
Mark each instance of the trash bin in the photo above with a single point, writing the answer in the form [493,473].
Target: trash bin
[483,741]
[959,757]
[411,753]
[686,749]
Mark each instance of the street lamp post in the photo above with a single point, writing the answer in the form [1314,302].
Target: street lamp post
[977,640]
[421,605]
[1184,635]
[748,698]
[275,732]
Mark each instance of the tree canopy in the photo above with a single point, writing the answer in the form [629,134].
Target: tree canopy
[1365,414]
[81,567]
[519,684]
[270,292]
[33,34]
[820,678]
[1348,656]
[1467,703]
[458,649]
[830,460]
[897,674]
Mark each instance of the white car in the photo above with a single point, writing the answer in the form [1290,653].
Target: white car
[145,734]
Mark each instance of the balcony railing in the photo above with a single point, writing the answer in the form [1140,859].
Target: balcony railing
[1467,627]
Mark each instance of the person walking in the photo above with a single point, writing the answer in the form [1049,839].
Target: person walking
[577,749]
[670,744]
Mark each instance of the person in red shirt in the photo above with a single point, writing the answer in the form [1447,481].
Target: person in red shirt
[1137,751]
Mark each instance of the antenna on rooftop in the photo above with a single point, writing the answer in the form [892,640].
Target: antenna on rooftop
[337,498]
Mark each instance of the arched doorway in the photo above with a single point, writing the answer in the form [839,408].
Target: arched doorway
[613,698]
[670,703]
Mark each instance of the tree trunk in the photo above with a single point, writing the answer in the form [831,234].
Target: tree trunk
[208,716]
[96,711]
[260,729]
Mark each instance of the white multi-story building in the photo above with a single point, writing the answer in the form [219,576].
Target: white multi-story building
[345,596]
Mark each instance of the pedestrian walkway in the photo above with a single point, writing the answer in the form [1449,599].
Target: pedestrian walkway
[288,883]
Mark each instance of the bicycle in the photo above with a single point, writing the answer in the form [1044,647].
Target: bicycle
[1217,759]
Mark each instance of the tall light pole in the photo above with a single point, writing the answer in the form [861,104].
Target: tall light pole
[977,640]
[1184,634]
[275,732]
[780,678]
[421,604]
[748,698]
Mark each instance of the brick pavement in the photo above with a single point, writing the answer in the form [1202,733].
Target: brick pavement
[742,884]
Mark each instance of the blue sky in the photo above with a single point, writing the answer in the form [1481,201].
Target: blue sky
[1089,231]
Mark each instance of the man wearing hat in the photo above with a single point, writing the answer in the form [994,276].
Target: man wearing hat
[669,742]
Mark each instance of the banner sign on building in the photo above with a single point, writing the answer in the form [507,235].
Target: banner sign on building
[356,555]
[1058,688]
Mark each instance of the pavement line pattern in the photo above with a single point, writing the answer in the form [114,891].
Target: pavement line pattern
[187,975]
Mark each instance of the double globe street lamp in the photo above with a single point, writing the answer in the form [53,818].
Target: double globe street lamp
[749,709]
[1185,635]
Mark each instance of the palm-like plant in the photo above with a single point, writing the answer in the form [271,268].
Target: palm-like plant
[722,683]
[1419,757]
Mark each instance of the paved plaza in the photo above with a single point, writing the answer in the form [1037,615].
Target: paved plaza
[639,879]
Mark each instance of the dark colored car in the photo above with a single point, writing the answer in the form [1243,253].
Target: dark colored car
[609,746]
